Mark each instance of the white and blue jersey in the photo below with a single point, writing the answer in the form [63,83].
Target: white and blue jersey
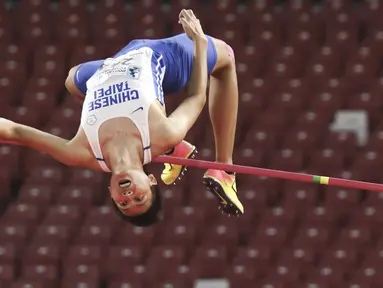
[126,85]
[172,60]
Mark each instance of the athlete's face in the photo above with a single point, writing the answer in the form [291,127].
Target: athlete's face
[132,192]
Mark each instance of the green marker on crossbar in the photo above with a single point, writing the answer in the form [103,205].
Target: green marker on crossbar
[321,179]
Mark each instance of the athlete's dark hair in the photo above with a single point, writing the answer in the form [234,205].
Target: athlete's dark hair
[150,217]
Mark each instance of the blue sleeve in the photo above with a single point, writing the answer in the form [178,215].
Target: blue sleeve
[84,72]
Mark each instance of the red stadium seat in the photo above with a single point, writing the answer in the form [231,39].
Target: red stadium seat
[304,139]
[256,257]
[48,234]
[21,283]
[287,159]
[342,141]
[84,254]
[6,35]
[15,234]
[329,274]
[9,254]
[321,216]
[34,5]
[324,64]
[314,119]
[224,232]
[36,194]
[300,256]
[14,68]
[327,162]
[45,175]
[279,217]
[272,236]
[368,215]
[10,156]
[122,256]
[51,67]
[48,274]
[72,27]
[356,236]
[37,28]
[84,53]
[22,213]
[134,236]
[313,236]
[102,215]
[179,234]
[133,283]
[209,261]
[64,215]
[82,272]
[244,58]
[266,29]
[7,274]
[343,257]
[69,283]
[188,216]
[286,64]
[241,275]
[165,258]
[76,195]
[300,196]
[94,235]
[342,199]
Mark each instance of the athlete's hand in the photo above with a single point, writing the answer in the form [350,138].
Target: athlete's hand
[7,131]
[191,25]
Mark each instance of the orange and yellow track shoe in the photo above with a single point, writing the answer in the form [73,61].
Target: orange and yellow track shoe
[173,172]
[223,186]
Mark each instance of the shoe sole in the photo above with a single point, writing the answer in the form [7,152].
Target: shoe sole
[216,189]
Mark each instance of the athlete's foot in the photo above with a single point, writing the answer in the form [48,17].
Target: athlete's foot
[223,186]
[173,172]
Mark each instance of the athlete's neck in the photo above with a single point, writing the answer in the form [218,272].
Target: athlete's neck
[123,157]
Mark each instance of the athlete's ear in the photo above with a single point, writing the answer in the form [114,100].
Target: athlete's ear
[152,179]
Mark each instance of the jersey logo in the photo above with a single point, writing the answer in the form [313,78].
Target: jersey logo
[138,109]
[91,120]
[134,72]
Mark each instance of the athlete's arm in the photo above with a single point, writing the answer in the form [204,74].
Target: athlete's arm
[60,149]
[71,86]
[184,117]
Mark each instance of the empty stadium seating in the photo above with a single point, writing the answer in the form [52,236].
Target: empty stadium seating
[298,62]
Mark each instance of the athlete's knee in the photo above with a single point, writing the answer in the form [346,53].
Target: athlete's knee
[230,53]
[69,81]
[225,55]
[70,84]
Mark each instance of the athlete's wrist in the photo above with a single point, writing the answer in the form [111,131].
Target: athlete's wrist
[200,40]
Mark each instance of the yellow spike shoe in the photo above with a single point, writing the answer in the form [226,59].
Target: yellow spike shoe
[224,187]
[173,172]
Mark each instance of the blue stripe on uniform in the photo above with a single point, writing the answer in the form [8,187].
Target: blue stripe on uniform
[158,78]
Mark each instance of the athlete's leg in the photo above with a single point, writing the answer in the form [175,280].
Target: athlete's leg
[223,106]
[223,102]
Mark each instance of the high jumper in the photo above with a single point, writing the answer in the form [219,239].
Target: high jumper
[124,123]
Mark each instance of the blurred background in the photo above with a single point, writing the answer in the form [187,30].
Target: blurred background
[311,86]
